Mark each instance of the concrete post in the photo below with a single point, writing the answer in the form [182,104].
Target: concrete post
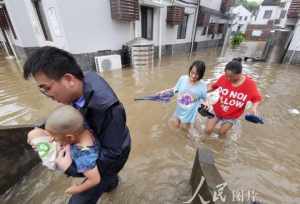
[16,156]
[206,180]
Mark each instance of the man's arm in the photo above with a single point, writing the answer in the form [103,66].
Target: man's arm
[115,140]
[92,179]
[256,99]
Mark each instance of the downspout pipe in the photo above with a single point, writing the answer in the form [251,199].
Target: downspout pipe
[160,33]
[194,31]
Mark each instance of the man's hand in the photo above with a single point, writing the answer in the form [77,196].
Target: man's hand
[64,160]
[72,190]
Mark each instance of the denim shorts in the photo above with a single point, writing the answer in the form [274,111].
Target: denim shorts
[222,121]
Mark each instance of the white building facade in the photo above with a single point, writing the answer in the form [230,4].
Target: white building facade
[272,10]
[241,20]
[271,14]
[293,23]
[87,29]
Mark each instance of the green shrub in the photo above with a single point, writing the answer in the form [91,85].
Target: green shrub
[237,39]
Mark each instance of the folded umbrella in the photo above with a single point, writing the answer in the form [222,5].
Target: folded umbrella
[164,97]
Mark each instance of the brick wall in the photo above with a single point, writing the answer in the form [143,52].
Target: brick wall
[266,29]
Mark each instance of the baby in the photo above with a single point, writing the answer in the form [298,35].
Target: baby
[65,126]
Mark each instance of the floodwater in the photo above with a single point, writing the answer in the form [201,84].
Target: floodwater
[263,158]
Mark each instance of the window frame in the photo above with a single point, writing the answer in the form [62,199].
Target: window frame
[267,14]
[182,28]
[145,10]
[41,15]
[282,14]
[204,31]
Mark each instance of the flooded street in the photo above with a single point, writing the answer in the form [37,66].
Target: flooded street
[264,158]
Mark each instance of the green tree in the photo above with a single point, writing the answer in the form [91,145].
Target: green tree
[252,6]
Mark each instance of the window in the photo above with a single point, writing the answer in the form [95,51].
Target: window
[239,28]
[42,19]
[147,22]
[211,29]
[282,14]
[245,18]
[256,33]
[241,17]
[267,14]
[181,32]
[221,28]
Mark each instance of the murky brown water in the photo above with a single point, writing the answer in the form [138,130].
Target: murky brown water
[260,157]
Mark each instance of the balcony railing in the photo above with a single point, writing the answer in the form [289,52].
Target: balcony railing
[294,9]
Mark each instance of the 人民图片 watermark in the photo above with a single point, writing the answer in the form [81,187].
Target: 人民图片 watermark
[240,195]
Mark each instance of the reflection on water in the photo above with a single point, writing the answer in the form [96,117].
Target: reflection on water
[260,157]
[20,102]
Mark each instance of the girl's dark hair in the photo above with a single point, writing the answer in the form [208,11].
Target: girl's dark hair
[53,62]
[235,66]
[200,68]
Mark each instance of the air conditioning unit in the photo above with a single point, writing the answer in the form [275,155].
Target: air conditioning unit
[108,62]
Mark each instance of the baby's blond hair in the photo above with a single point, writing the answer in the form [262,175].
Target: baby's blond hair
[65,120]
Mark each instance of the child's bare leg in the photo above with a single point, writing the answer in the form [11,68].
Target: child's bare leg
[210,125]
[174,122]
[224,129]
[193,132]
[186,126]
[198,122]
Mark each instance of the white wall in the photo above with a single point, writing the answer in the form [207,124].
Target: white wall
[213,4]
[241,11]
[260,16]
[169,33]
[295,43]
[17,10]
[28,27]
[89,26]
[200,37]
[53,21]
[286,8]
[82,27]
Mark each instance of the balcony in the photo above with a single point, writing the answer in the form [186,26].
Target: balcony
[294,9]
